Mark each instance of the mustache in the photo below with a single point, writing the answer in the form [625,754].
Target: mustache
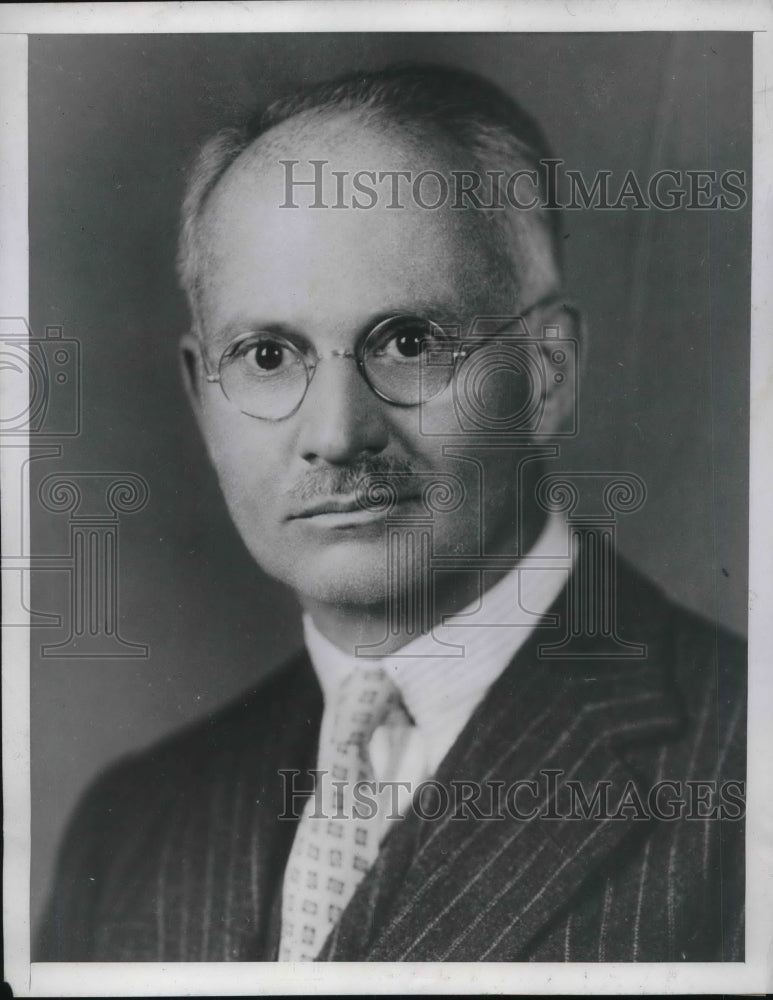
[343,481]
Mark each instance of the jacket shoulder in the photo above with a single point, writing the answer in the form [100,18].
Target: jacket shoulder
[246,722]
[123,819]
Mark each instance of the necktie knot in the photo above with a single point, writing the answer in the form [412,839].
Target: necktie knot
[366,698]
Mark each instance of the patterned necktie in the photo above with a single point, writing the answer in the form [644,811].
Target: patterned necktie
[336,842]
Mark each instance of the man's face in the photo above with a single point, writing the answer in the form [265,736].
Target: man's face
[323,277]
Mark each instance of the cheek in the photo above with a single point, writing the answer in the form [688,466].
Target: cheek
[248,458]
[492,391]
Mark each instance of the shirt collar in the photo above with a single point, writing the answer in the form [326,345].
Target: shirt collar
[442,676]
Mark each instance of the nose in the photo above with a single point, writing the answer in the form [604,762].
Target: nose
[342,418]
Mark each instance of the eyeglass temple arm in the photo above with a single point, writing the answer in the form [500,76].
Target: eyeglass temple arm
[548,300]
[208,375]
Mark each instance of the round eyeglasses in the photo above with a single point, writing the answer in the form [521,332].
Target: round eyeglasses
[405,359]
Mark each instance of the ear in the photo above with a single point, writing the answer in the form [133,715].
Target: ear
[192,369]
[558,327]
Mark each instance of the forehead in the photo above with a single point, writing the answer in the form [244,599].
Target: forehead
[317,266]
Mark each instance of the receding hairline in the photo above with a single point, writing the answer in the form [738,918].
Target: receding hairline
[419,115]
[470,228]
[282,141]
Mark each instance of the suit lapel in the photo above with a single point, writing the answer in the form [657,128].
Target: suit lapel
[470,888]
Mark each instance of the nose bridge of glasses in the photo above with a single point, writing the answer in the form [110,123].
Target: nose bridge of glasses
[335,353]
[338,353]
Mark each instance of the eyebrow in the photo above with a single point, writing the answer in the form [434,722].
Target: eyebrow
[238,327]
[443,313]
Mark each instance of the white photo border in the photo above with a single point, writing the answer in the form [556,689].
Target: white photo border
[755,975]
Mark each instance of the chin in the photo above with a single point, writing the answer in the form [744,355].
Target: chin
[343,574]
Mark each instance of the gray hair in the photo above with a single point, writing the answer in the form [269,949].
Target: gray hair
[459,108]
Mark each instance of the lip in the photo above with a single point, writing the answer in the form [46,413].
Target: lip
[330,505]
[343,511]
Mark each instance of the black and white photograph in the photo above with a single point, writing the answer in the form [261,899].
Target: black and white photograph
[383,468]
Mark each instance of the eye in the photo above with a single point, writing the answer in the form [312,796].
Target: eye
[263,355]
[405,338]
[408,343]
[268,355]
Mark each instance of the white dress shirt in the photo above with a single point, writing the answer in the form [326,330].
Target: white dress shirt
[441,691]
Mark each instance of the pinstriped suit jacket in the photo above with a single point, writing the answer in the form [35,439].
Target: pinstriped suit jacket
[178,855]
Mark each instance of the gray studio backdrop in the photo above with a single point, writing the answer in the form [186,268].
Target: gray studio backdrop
[113,123]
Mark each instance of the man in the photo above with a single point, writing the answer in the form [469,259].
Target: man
[494,776]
